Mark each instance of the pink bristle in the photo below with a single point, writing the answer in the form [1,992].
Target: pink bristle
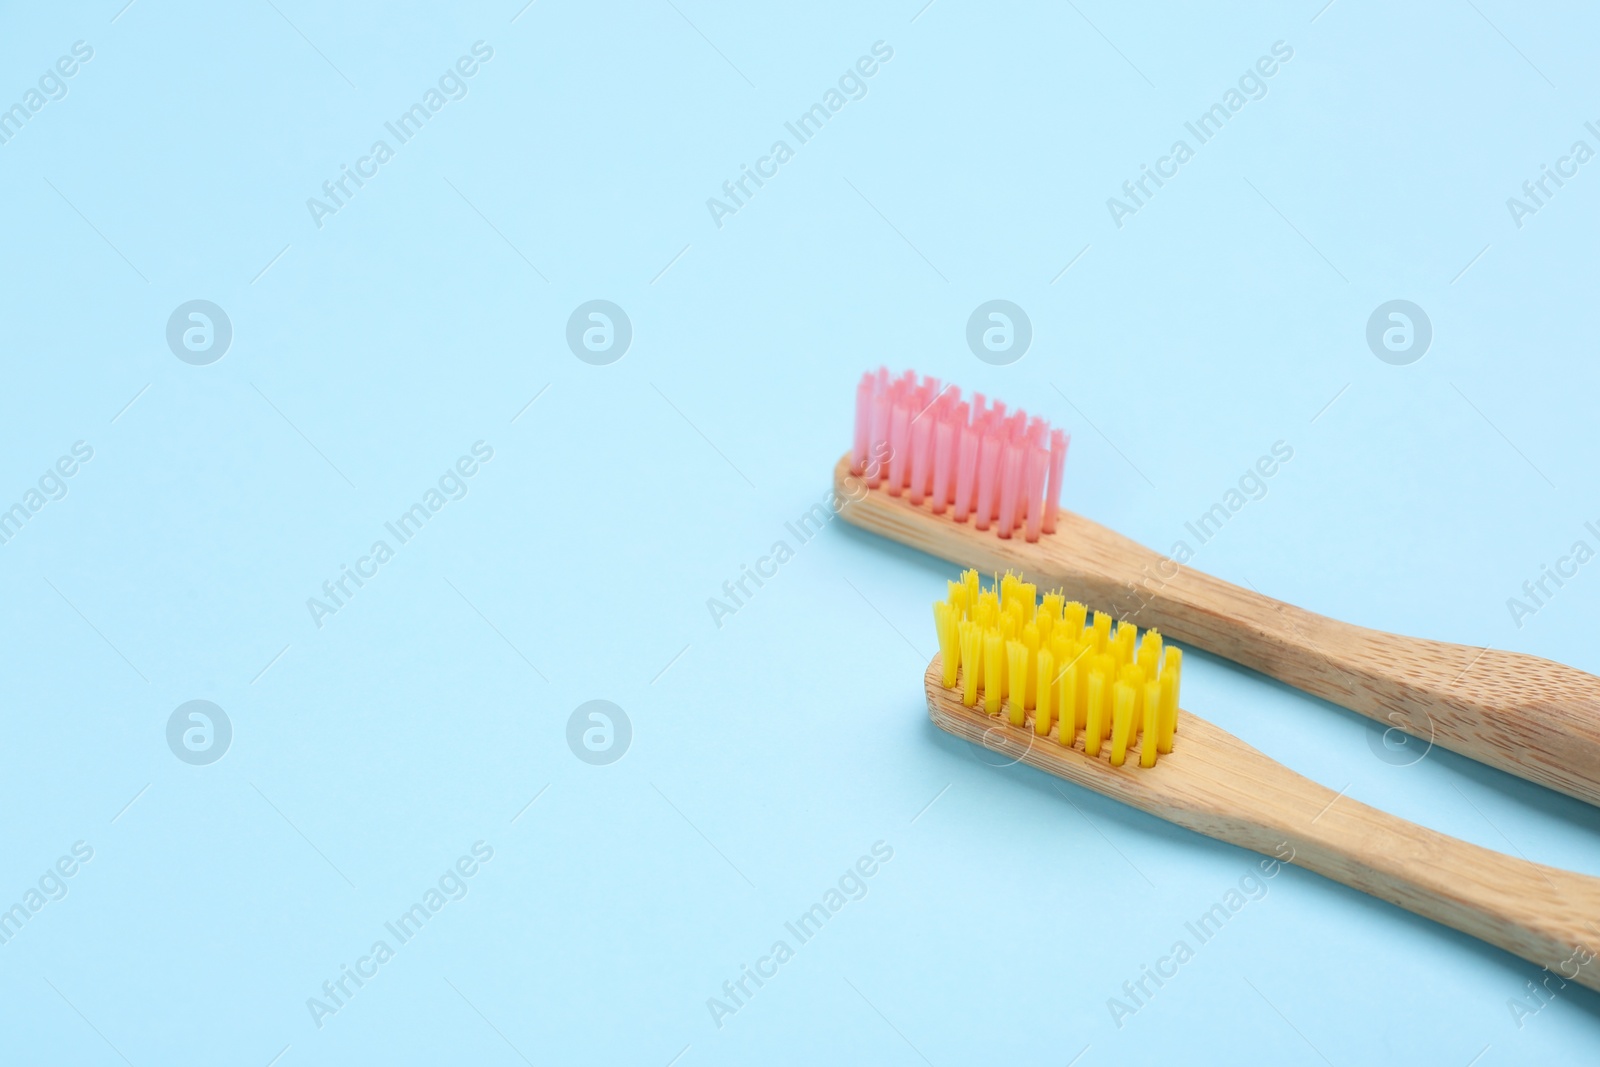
[1031,502]
[1038,464]
[988,478]
[1004,432]
[944,454]
[1010,489]
[973,458]
[947,404]
[1058,458]
[956,419]
[1018,426]
[879,432]
[983,496]
[921,454]
[858,449]
[899,443]
[913,397]
[938,402]
[967,472]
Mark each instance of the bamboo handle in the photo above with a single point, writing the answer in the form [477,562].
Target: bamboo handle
[1215,784]
[1531,717]
[1547,916]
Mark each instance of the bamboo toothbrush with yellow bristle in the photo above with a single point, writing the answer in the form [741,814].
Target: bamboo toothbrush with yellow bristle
[1063,691]
[977,485]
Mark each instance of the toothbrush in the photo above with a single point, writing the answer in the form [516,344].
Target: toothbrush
[1181,768]
[973,483]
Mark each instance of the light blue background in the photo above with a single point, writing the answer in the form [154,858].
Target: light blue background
[770,753]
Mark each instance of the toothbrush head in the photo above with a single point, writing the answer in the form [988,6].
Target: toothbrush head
[970,459]
[1046,664]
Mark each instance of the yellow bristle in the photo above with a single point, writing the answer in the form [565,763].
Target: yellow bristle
[1047,627]
[1017,610]
[958,600]
[971,637]
[1168,718]
[988,611]
[1122,642]
[1030,638]
[1171,675]
[1043,708]
[1150,653]
[944,622]
[1065,654]
[994,671]
[1016,680]
[1067,704]
[1050,605]
[1152,724]
[1020,653]
[1121,722]
[1102,631]
[1130,674]
[1094,724]
[1106,664]
[1080,698]
[1062,648]
[1059,651]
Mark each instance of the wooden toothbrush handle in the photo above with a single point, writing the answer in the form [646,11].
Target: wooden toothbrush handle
[1545,915]
[1215,784]
[1531,717]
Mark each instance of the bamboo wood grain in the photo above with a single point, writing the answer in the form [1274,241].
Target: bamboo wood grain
[1215,784]
[1528,716]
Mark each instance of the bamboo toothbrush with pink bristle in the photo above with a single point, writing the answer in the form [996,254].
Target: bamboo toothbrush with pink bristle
[980,485]
[1041,683]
